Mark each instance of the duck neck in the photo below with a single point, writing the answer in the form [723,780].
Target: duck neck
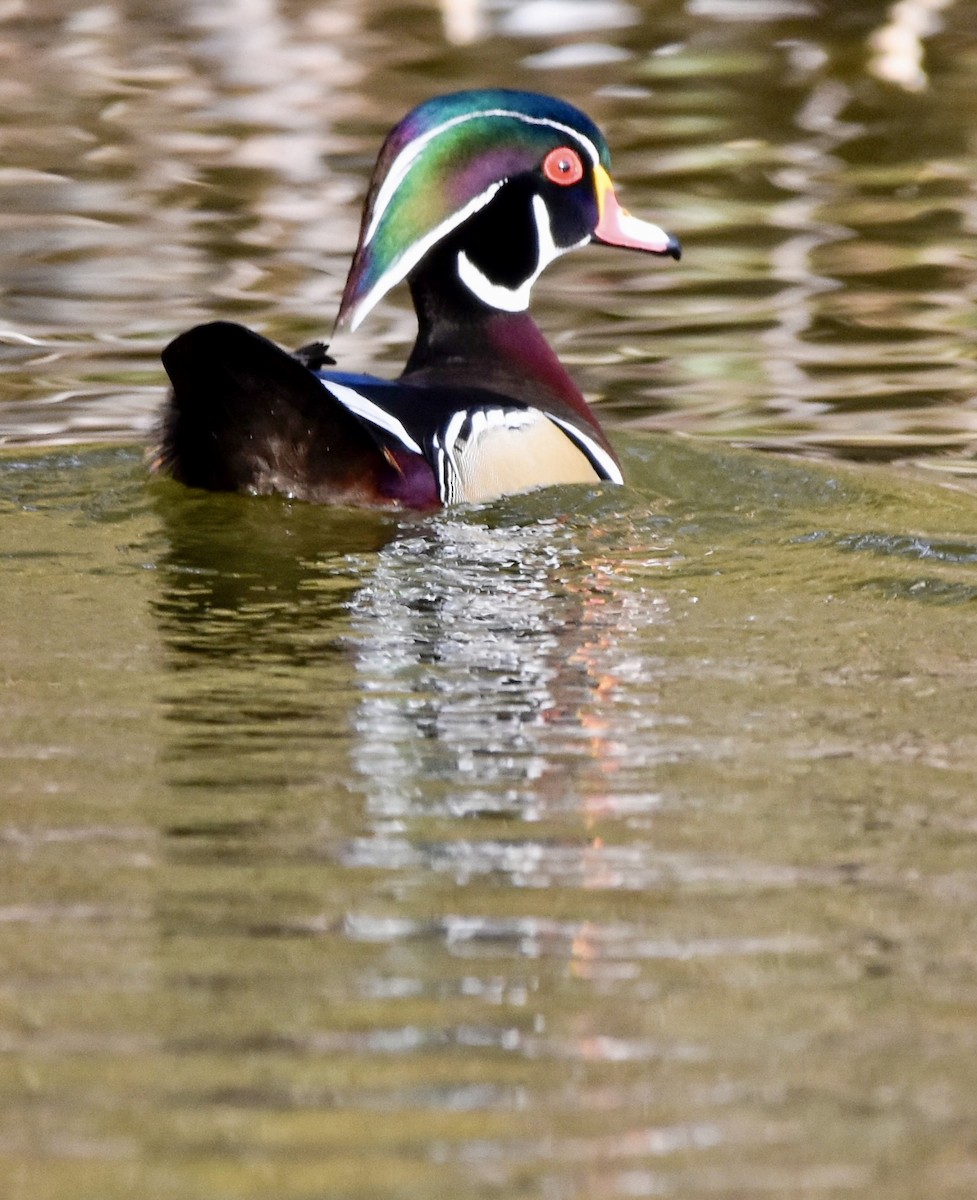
[462,342]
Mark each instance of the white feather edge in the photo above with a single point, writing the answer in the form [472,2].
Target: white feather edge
[362,407]
[592,449]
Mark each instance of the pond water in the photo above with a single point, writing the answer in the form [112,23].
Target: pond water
[593,843]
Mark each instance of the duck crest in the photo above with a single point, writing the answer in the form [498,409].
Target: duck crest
[473,195]
[443,163]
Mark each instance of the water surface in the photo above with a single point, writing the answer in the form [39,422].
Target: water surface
[591,843]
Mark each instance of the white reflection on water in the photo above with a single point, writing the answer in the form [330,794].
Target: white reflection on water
[490,661]
[809,179]
[559,18]
[897,46]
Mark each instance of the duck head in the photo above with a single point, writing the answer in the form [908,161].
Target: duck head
[496,184]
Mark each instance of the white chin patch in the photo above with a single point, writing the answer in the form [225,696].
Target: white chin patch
[497,295]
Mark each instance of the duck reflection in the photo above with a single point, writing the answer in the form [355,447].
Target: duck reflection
[466,663]
[490,656]
[246,579]
[253,609]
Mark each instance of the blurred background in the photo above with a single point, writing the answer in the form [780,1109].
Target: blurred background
[170,162]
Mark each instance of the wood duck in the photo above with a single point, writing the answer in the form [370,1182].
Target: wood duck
[473,195]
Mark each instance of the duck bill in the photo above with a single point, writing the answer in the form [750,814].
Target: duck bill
[616,226]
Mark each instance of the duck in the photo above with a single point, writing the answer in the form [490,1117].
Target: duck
[473,195]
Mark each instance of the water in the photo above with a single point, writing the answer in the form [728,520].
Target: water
[591,843]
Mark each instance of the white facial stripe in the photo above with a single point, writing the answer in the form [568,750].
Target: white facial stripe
[595,452]
[401,267]
[548,249]
[362,407]
[496,295]
[405,159]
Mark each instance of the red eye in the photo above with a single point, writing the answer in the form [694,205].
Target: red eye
[563,166]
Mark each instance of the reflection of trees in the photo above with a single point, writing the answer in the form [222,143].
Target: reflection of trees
[898,44]
[161,164]
[823,291]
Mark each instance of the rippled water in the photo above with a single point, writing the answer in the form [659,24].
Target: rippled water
[167,163]
[592,843]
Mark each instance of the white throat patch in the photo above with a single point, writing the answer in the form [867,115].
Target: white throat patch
[497,295]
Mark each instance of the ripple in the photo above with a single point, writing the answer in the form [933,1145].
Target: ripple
[914,546]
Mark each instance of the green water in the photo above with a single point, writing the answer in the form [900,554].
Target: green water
[592,843]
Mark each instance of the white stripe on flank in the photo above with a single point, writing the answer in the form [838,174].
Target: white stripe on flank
[405,159]
[452,473]
[442,462]
[457,440]
[362,407]
[595,452]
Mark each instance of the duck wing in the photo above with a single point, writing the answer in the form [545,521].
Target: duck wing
[243,415]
